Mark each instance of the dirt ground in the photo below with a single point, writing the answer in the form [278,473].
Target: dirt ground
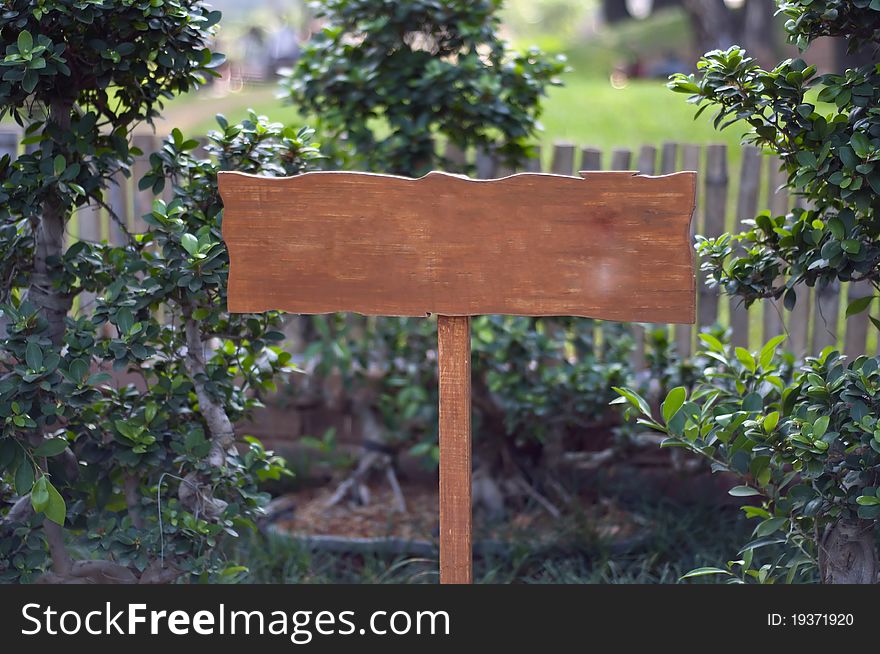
[585,519]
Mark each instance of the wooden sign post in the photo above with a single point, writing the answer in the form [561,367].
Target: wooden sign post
[608,245]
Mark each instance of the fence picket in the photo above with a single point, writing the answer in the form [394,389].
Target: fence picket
[826,305]
[647,162]
[856,340]
[117,199]
[533,163]
[591,159]
[455,155]
[563,159]
[142,201]
[716,182]
[9,140]
[486,164]
[690,160]
[778,202]
[669,158]
[620,159]
[746,208]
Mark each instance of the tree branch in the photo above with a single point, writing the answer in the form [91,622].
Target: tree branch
[219,425]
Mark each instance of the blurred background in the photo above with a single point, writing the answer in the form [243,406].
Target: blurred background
[620,53]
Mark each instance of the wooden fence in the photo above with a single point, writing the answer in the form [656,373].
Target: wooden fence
[725,197]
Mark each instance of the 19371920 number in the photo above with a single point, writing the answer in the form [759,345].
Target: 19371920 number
[821,619]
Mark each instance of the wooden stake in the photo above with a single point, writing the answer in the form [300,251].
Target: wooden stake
[454,361]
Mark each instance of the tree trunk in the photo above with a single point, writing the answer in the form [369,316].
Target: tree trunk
[712,24]
[51,303]
[759,31]
[220,428]
[848,553]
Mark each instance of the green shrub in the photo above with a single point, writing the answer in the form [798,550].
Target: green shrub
[394,77]
[826,131]
[809,446]
[157,478]
[136,480]
[805,444]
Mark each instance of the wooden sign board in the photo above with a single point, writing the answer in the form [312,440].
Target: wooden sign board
[609,245]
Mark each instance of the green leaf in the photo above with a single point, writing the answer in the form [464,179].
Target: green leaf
[867,500]
[124,320]
[820,426]
[52,447]
[25,42]
[674,399]
[769,350]
[848,157]
[24,478]
[59,164]
[128,431]
[56,511]
[860,144]
[859,305]
[713,343]
[743,491]
[190,243]
[851,246]
[40,495]
[33,356]
[703,572]
[745,357]
[753,402]
[769,526]
[770,421]
[29,83]
[635,399]
[78,369]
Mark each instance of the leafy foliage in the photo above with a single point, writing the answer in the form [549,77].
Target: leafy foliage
[805,443]
[148,482]
[826,130]
[394,76]
[79,75]
[144,472]
[533,379]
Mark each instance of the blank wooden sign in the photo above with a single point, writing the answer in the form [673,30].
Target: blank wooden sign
[611,245]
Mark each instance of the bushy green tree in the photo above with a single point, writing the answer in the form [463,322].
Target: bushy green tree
[807,447]
[394,77]
[805,443]
[126,481]
[826,131]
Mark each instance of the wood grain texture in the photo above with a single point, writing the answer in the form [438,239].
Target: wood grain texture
[454,361]
[611,245]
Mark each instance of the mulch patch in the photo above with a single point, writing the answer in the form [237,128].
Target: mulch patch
[588,521]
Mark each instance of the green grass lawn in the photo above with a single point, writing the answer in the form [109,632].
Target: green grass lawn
[587,111]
